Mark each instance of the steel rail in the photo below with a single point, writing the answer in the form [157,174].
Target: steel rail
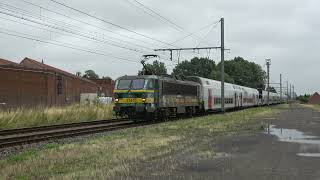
[57,126]
[34,138]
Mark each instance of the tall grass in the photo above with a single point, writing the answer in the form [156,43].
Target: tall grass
[121,155]
[54,115]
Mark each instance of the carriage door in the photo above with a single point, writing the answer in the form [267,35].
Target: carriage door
[209,99]
[235,100]
[241,100]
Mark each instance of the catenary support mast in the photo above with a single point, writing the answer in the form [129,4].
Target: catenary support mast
[222,48]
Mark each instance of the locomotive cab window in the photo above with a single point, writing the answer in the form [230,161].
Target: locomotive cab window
[124,84]
[150,84]
[137,84]
[131,84]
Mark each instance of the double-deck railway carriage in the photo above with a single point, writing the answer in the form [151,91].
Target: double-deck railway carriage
[235,96]
[274,98]
[160,96]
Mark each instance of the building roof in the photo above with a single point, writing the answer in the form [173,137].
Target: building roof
[31,63]
[4,62]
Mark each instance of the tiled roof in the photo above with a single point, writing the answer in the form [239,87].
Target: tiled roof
[7,62]
[31,63]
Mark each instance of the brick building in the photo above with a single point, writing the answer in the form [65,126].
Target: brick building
[32,83]
[314,99]
[106,86]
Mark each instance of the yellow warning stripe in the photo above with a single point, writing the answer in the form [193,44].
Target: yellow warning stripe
[133,91]
[134,100]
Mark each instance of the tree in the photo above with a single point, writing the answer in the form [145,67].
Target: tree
[90,74]
[157,68]
[202,67]
[106,77]
[245,73]
[216,75]
[304,98]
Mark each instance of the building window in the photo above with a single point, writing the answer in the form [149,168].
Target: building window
[59,85]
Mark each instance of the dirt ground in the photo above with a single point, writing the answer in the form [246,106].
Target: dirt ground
[288,148]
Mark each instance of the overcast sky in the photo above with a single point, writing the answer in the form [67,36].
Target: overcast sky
[285,31]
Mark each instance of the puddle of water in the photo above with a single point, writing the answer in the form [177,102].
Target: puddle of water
[309,154]
[292,135]
[309,145]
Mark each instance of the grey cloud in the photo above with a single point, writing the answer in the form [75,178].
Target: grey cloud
[285,31]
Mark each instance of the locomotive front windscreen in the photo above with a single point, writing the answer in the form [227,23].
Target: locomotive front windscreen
[131,84]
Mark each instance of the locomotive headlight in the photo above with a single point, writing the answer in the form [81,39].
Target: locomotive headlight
[143,100]
[116,100]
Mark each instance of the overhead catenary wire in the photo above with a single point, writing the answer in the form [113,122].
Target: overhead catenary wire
[68,31]
[213,27]
[57,43]
[60,14]
[181,29]
[213,24]
[92,25]
[110,23]
[162,18]
[46,8]
[154,14]
[192,33]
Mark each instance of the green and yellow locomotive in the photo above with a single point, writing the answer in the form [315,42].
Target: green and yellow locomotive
[151,96]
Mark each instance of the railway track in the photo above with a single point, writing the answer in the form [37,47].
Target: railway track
[16,137]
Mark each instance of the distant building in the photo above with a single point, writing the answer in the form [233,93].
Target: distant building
[32,83]
[106,87]
[314,99]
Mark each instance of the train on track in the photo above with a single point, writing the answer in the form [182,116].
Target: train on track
[161,97]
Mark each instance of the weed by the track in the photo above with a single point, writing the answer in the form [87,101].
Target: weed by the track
[55,115]
[121,154]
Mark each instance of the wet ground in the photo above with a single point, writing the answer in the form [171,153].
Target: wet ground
[288,149]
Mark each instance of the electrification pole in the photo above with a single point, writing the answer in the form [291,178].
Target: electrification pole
[290,92]
[293,94]
[222,48]
[281,88]
[287,91]
[222,65]
[268,62]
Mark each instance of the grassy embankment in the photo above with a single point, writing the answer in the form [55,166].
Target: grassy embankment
[55,115]
[120,154]
[312,106]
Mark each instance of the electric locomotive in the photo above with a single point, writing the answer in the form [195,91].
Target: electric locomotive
[155,97]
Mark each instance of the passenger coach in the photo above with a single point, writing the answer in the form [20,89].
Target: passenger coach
[235,96]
